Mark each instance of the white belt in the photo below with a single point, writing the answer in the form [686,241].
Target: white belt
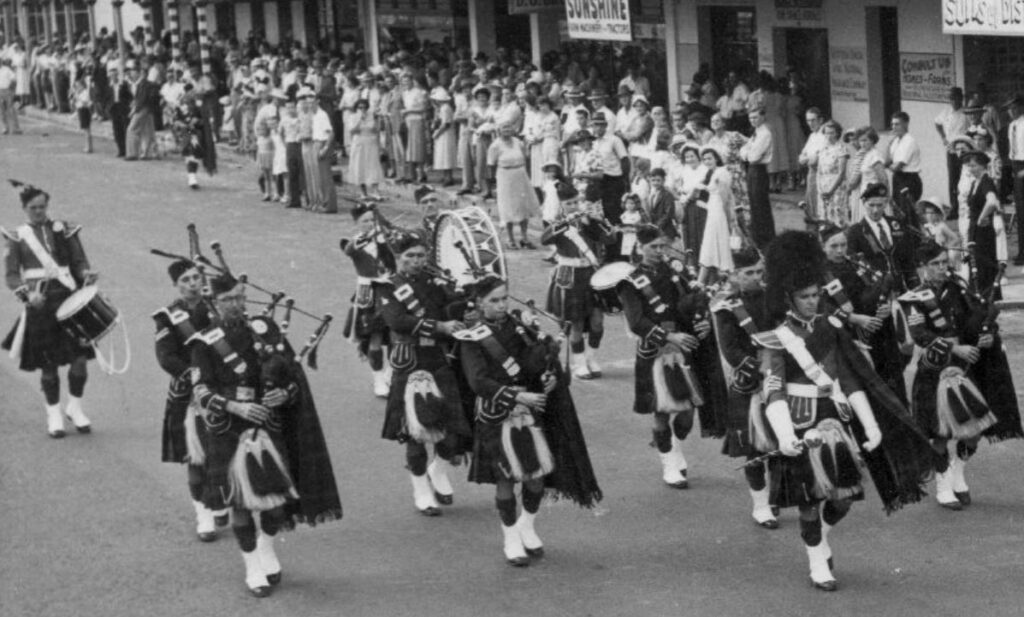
[365,280]
[41,273]
[573,262]
[807,390]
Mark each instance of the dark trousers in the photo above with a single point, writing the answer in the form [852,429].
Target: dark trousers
[119,124]
[953,167]
[1018,202]
[612,190]
[762,222]
[293,156]
[912,182]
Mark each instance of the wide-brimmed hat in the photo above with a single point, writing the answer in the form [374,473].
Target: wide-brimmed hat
[440,95]
[305,92]
[598,94]
[932,202]
[625,90]
[545,166]
[975,155]
[641,99]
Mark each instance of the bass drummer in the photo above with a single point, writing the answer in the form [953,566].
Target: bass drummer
[579,239]
[45,263]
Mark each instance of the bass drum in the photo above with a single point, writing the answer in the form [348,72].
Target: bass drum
[604,282]
[466,244]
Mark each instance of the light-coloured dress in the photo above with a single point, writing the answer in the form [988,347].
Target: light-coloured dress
[415,102]
[728,146]
[364,155]
[445,153]
[715,251]
[517,201]
[831,164]
[547,128]
[347,106]
[774,114]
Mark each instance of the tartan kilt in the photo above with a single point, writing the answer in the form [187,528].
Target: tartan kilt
[432,360]
[46,344]
[174,448]
[221,442]
[569,294]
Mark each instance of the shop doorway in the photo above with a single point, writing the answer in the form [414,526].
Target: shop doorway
[511,31]
[728,36]
[804,51]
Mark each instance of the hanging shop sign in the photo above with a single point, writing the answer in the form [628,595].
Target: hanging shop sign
[927,77]
[984,17]
[603,20]
[798,11]
[848,72]
[521,7]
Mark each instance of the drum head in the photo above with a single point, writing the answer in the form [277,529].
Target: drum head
[76,301]
[610,275]
[472,229]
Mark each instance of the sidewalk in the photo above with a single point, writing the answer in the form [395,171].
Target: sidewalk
[787,214]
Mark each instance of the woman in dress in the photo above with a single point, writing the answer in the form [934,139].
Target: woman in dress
[686,183]
[517,200]
[793,105]
[527,431]
[347,105]
[728,144]
[831,172]
[857,154]
[415,105]
[871,169]
[390,114]
[364,154]
[982,208]
[445,140]
[545,138]
[715,257]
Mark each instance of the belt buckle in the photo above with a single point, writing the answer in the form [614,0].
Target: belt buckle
[427,342]
[668,326]
[245,394]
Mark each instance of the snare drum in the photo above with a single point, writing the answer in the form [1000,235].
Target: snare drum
[604,282]
[87,315]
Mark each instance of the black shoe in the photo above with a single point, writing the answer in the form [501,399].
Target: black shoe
[444,500]
[260,592]
[207,536]
[826,586]
[274,579]
[769,524]
[430,511]
[952,505]
[56,434]
[964,498]
[535,553]
[519,562]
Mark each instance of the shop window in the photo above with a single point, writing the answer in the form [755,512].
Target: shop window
[994,64]
[732,32]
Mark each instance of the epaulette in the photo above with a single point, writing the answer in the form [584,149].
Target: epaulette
[70,231]
[10,235]
[767,340]
[835,321]
[174,314]
[208,336]
[914,295]
[474,335]
[724,303]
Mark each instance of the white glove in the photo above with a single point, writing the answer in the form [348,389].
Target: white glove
[778,417]
[861,407]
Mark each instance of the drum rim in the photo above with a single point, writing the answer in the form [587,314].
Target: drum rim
[626,267]
[462,215]
[88,293]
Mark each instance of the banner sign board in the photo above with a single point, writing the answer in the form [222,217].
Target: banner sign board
[927,77]
[603,20]
[985,18]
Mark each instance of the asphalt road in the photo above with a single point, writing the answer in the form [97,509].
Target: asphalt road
[96,525]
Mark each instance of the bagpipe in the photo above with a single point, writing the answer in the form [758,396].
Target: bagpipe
[308,352]
[983,308]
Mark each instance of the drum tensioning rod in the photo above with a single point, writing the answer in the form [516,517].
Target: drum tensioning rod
[294,308]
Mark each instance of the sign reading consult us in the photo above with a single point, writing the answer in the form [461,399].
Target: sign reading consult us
[984,17]
[604,20]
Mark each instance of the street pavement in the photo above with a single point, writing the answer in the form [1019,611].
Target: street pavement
[96,525]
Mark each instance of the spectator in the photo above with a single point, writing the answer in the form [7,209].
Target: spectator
[758,154]
[950,123]
[364,168]
[832,164]
[809,156]
[905,159]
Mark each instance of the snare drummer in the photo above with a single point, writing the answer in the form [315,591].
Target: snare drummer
[579,240]
[45,263]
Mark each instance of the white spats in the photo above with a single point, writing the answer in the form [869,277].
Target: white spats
[206,528]
[267,557]
[821,574]
[670,472]
[193,182]
[515,552]
[531,541]
[423,495]
[54,421]
[956,472]
[762,511]
[590,356]
[677,451]
[438,471]
[255,577]
[944,490]
[75,414]
[825,529]
[381,384]
[578,363]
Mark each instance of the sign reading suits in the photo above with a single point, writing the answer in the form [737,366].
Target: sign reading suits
[522,7]
[1001,18]
[603,20]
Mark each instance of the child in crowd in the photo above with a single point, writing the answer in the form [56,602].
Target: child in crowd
[279,168]
[82,96]
[556,192]
[933,213]
[632,215]
[641,185]
[265,158]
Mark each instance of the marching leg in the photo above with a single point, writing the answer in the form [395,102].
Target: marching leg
[760,495]
[438,472]
[77,377]
[681,423]
[270,524]
[957,467]
[670,473]
[817,550]
[515,552]
[578,360]
[944,489]
[422,492]
[191,167]
[533,493]
[50,383]
[831,514]
[206,530]
[245,533]
[594,337]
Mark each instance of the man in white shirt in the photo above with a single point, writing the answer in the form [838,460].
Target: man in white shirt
[614,167]
[574,103]
[949,124]
[8,110]
[809,155]
[624,116]
[323,140]
[1015,134]
[905,159]
[758,154]
[599,103]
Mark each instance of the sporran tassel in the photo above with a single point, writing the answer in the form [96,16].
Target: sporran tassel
[961,409]
[424,408]
[835,464]
[193,444]
[524,448]
[666,401]
[259,477]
